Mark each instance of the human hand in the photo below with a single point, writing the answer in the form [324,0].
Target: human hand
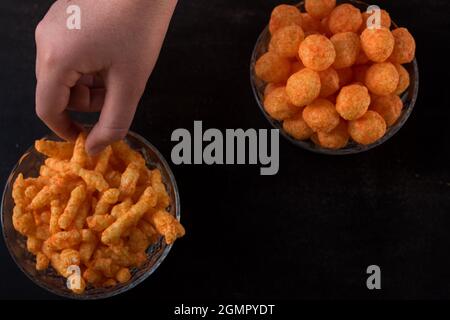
[104,66]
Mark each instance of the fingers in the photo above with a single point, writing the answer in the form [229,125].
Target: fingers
[84,99]
[52,98]
[122,98]
[88,95]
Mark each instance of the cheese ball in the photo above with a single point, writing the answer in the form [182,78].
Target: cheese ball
[359,73]
[278,106]
[382,78]
[286,40]
[324,27]
[270,87]
[404,81]
[329,81]
[336,138]
[367,129]
[347,47]
[353,101]
[321,115]
[270,67]
[389,107]
[345,18]
[296,66]
[317,52]
[284,15]
[303,87]
[362,58]
[385,19]
[297,127]
[404,47]
[345,76]
[310,25]
[319,9]
[378,44]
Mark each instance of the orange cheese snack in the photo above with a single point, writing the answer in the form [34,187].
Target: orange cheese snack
[67,213]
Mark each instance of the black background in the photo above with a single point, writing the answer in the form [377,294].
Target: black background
[308,232]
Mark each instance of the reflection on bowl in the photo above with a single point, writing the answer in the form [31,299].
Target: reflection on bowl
[409,97]
[29,165]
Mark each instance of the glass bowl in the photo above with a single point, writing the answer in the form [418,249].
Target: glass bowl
[29,165]
[409,97]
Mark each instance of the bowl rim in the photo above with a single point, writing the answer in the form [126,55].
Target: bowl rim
[308,144]
[113,292]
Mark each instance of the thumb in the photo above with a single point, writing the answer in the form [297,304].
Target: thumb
[121,100]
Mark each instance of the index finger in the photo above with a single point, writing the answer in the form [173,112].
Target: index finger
[52,98]
[122,97]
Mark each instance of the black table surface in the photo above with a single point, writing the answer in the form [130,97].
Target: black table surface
[308,232]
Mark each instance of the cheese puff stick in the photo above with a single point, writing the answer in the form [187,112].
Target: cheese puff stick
[65,239]
[122,256]
[103,159]
[80,290]
[123,151]
[42,199]
[63,186]
[42,232]
[123,275]
[109,283]
[42,261]
[107,199]
[121,208]
[80,156]
[92,276]
[103,265]
[93,179]
[45,217]
[57,264]
[47,249]
[77,197]
[113,178]
[23,221]
[18,192]
[31,192]
[80,219]
[34,245]
[94,202]
[113,233]
[56,209]
[54,149]
[167,225]
[100,222]
[137,240]
[24,190]
[148,230]
[45,171]
[88,245]
[100,252]
[70,257]
[60,166]
[37,220]
[129,179]
[140,258]
[160,189]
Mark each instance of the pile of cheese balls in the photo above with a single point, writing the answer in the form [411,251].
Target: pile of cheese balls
[331,75]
